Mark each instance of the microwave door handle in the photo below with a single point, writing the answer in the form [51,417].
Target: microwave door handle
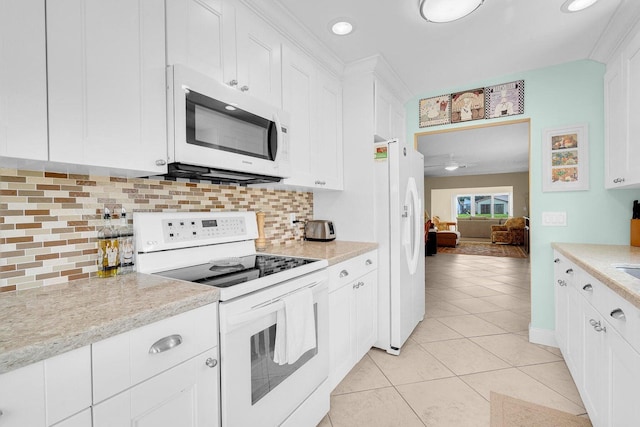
[274,143]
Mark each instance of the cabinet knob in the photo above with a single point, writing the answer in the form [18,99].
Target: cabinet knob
[588,287]
[244,88]
[618,180]
[618,314]
[161,162]
[344,273]
[562,282]
[233,82]
[368,262]
[597,326]
[557,260]
[211,362]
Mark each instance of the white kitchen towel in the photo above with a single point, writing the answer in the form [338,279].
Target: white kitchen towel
[295,327]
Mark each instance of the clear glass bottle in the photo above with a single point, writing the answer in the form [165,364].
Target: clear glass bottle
[108,254]
[126,243]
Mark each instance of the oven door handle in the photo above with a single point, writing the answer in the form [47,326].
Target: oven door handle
[262,309]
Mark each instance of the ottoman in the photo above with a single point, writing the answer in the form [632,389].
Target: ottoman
[447,238]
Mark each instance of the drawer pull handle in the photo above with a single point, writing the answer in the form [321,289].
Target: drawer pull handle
[562,282]
[211,362]
[618,314]
[588,287]
[368,262]
[597,326]
[344,273]
[570,271]
[557,260]
[166,343]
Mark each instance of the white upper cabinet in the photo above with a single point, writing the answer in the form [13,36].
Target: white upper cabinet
[313,99]
[107,83]
[23,80]
[226,41]
[259,57]
[622,128]
[388,114]
[201,35]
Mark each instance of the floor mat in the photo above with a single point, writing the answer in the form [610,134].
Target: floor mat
[508,411]
[486,249]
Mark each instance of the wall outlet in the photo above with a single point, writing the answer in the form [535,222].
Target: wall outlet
[554,219]
[292,218]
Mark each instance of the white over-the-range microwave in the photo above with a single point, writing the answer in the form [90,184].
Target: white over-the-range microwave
[219,133]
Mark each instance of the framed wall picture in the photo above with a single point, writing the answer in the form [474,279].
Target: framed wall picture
[435,111]
[467,105]
[504,100]
[565,158]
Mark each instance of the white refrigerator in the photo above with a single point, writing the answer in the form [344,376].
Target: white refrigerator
[399,218]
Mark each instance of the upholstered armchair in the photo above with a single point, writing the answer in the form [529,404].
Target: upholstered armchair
[511,232]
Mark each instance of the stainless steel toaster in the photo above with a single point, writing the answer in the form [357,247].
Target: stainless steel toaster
[320,230]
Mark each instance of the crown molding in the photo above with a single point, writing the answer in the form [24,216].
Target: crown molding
[624,23]
[380,68]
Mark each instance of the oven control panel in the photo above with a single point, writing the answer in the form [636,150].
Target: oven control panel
[161,231]
[193,229]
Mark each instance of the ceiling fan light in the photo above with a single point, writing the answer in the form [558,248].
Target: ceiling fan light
[576,5]
[446,10]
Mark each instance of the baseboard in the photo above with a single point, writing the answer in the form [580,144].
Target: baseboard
[542,336]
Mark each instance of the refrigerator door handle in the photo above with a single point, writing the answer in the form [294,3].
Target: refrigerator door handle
[412,244]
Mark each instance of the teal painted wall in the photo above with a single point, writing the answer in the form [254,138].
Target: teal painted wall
[558,96]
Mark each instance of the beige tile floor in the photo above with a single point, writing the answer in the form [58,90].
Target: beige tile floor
[473,340]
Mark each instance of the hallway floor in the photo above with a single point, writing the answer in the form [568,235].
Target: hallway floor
[473,340]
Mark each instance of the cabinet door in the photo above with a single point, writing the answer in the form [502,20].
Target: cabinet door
[342,342]
[632,80]
[186,395]
[107,96]
[201,35]
[382,106]
[624,377]
[83,419]
[366,312]
[259,57]
[299,95]
[23,80]
[22,397]
[561,286]
[594,368]
[327,159]
[615,125]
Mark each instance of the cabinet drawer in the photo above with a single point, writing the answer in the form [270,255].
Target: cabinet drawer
[623,316]
[127,359]
[344,272]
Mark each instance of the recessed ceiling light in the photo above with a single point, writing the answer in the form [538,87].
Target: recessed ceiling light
[447,10]
[576,5]
[341,27]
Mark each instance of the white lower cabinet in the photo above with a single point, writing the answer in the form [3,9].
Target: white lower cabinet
[186,396]
[352,313]
[597,331]
[49,392]
[164,374]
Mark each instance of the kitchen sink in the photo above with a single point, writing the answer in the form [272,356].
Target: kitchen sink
[633,270]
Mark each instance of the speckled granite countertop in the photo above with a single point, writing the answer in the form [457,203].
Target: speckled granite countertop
[334,252]
[600,261]
[39,323]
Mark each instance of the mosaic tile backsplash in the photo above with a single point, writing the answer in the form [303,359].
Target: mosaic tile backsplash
[49,221]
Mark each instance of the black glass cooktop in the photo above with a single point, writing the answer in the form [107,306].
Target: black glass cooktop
[232,271]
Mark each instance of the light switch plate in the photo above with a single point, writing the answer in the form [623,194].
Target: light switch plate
[554,219]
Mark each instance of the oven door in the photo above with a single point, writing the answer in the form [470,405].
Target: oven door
[255,390]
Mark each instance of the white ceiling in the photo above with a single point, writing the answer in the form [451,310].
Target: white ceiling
[478,151]
[501,37]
